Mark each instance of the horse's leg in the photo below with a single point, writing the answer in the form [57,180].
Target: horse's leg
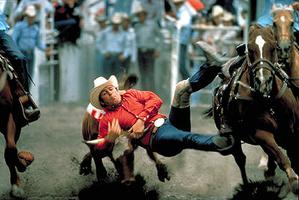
[161,167]
[11,156]
[125,166]
[271,167]
[240,159]
[85,165]
[268,143]
[101,171]
[292,153]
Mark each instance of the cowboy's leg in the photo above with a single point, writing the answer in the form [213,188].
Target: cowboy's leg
[170,141]
[15,56]
[180,107]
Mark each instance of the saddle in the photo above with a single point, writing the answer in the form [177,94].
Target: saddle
[23,98]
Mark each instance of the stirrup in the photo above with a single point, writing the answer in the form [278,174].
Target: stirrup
[27,100]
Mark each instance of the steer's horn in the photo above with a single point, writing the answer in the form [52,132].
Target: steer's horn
[93,142]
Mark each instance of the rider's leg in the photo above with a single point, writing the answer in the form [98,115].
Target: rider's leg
[18,62]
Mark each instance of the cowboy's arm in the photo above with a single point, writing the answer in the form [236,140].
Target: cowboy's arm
[152,103]
[108,132]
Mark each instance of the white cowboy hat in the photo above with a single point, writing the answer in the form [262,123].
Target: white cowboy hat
[99,84]
[178,1]
[217,10]
[30,11]
[138,8]
[116,18]
[227,17]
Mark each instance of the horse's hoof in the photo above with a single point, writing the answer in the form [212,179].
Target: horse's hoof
[162,172]
[26,156]
[17,192]
[295,186]
[21,165]
[128,182]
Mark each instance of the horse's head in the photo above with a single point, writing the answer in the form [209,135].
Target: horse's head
[283,20]
[261,59]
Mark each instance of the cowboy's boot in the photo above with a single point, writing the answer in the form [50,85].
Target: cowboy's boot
[31,110]
[213,58]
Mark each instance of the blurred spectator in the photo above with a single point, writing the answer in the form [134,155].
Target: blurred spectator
[217,15]
[26,34]
[229,35]
[68,21]
[131,52]
[11,51]
[226,5]
[8,8]
[112,43]
[213,36]
[149,38]
[99,31]
[154,8]
[184,14]
[40,6]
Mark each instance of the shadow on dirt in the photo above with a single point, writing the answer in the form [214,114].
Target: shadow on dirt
[261,190]
[116,190]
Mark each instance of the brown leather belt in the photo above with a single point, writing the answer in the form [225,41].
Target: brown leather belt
[154,130]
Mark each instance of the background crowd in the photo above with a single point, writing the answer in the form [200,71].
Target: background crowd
[82,39]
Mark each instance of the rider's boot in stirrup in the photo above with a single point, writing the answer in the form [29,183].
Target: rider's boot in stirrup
[31,110]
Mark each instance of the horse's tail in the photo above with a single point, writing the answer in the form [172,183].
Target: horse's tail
[3,79]
[208,113]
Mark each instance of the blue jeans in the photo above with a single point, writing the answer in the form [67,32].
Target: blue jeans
[170,141]
[15,56]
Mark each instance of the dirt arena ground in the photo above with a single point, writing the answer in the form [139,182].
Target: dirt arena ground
[55,141]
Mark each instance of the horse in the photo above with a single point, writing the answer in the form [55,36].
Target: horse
[10,126]
[288,58]
[260,106]
[288,54]
[124,163]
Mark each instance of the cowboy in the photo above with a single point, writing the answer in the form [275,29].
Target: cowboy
[137,112]
[18,61]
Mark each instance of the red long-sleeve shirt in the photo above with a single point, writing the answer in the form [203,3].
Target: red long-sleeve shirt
[135,105]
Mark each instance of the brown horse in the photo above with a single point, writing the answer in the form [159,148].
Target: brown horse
[260,106]
[10,126]
[124,163]
[288,54]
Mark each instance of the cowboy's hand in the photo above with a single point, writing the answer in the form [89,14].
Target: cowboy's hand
[114,130]
[137,130]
